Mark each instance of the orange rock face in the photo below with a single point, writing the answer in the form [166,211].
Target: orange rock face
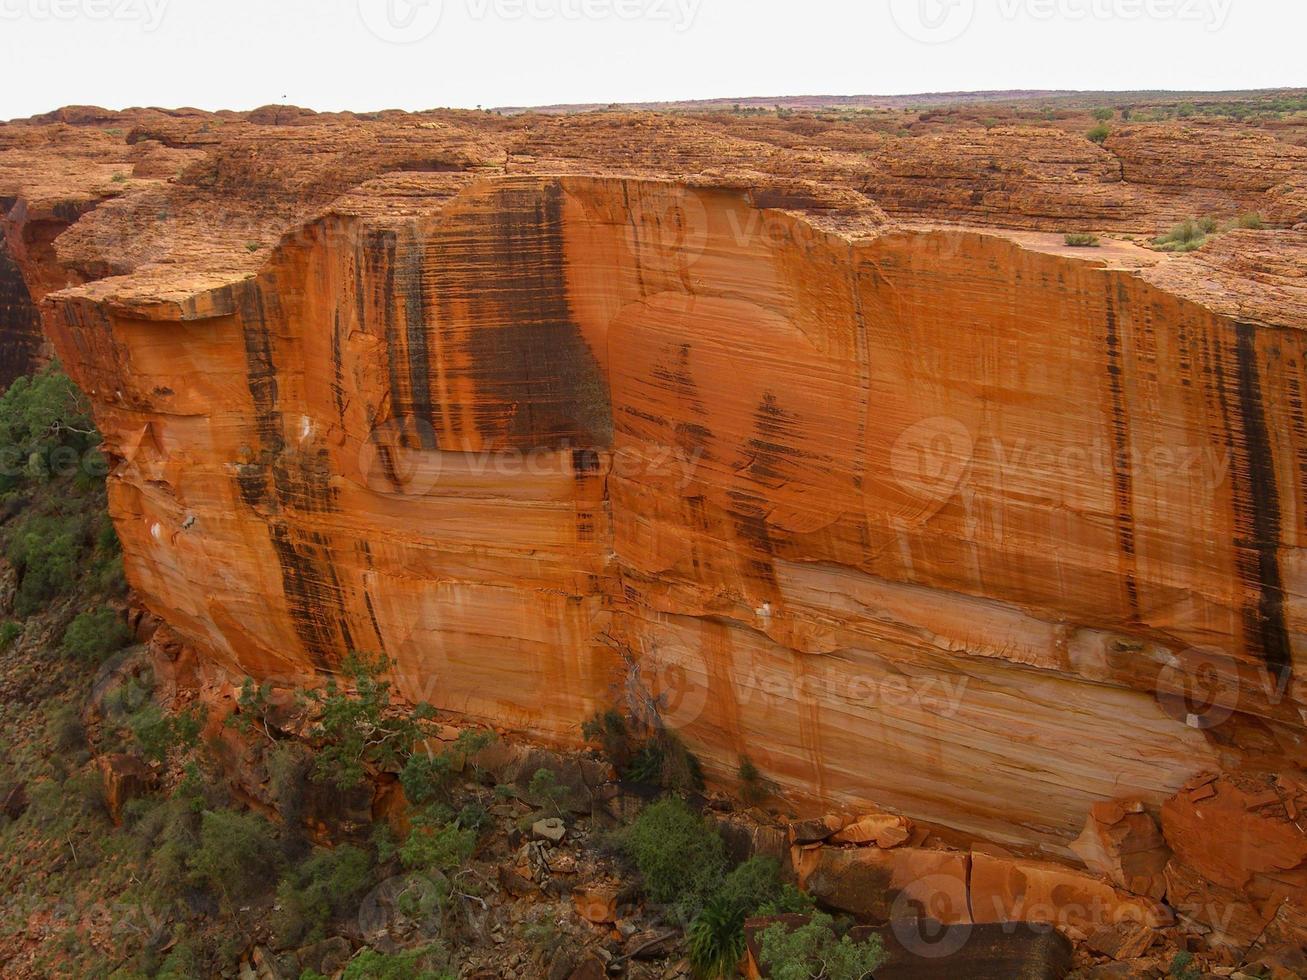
[963,522]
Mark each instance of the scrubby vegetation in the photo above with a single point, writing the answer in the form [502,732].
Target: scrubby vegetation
[815,951]
[1099,133]
[1082,240]
[1192,233]
[645,752]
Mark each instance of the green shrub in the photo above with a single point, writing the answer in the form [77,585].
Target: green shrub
[66,728]
[436,842]
[360,728]
[754,789]
[681,859]
[814,952]
[418,964]
[237,856]
[717,933]
[1187,236]
[546,792]
[1082,240]
[1252,222]
[93,636]
[716,939]
[47,551]
[1182,968]
[429,778]
[659,759]
[1100,133]
[608,728]
[9,632]
[159,734]
[40,414]
[325,884]
[1104,114]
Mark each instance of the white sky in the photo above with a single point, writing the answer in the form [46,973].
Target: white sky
[239,54]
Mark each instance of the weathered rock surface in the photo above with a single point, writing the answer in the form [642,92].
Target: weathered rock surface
[955,520]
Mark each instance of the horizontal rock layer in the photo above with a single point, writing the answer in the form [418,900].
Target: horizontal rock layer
[954,521]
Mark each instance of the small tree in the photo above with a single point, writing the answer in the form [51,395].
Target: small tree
[361,727]
[94,635]
[814,952]
[237,856]
[681,859]
[1100,133]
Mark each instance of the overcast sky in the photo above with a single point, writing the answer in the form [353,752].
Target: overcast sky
[374,54]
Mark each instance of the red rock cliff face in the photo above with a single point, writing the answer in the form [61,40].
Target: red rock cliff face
[944,519]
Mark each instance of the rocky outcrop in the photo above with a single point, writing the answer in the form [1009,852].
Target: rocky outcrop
[959,521]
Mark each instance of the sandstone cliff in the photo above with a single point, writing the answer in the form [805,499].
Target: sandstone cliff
[836,454]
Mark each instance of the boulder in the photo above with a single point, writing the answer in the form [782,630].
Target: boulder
[126,777]
[878,885]
[551,829]
[1228,916]
[597,904]
[1018,890]
[1122,841]
[1241,833]
[882,829]
[327,957]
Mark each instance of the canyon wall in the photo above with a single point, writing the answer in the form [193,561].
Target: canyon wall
[962,522]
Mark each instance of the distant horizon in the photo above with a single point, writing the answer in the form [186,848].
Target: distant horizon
[412,55]
[960,95]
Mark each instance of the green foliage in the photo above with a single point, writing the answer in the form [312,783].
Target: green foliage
[48,552]
[360,728]
[754,788]
[1252,222]
[436,842]
[814,952]
[1082,240]
[681,859]
[160,734]
[252,709]
[66,728]
[1104,114]
[1188,236]
[546,792]
[1099,133]
[9,632]
[326,884]
[716,939]
[45,429]
[717,933]
[93,636]
[658,759]
[418,964]
[427,778]
[608,728]
[1182,968]
[237,856]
